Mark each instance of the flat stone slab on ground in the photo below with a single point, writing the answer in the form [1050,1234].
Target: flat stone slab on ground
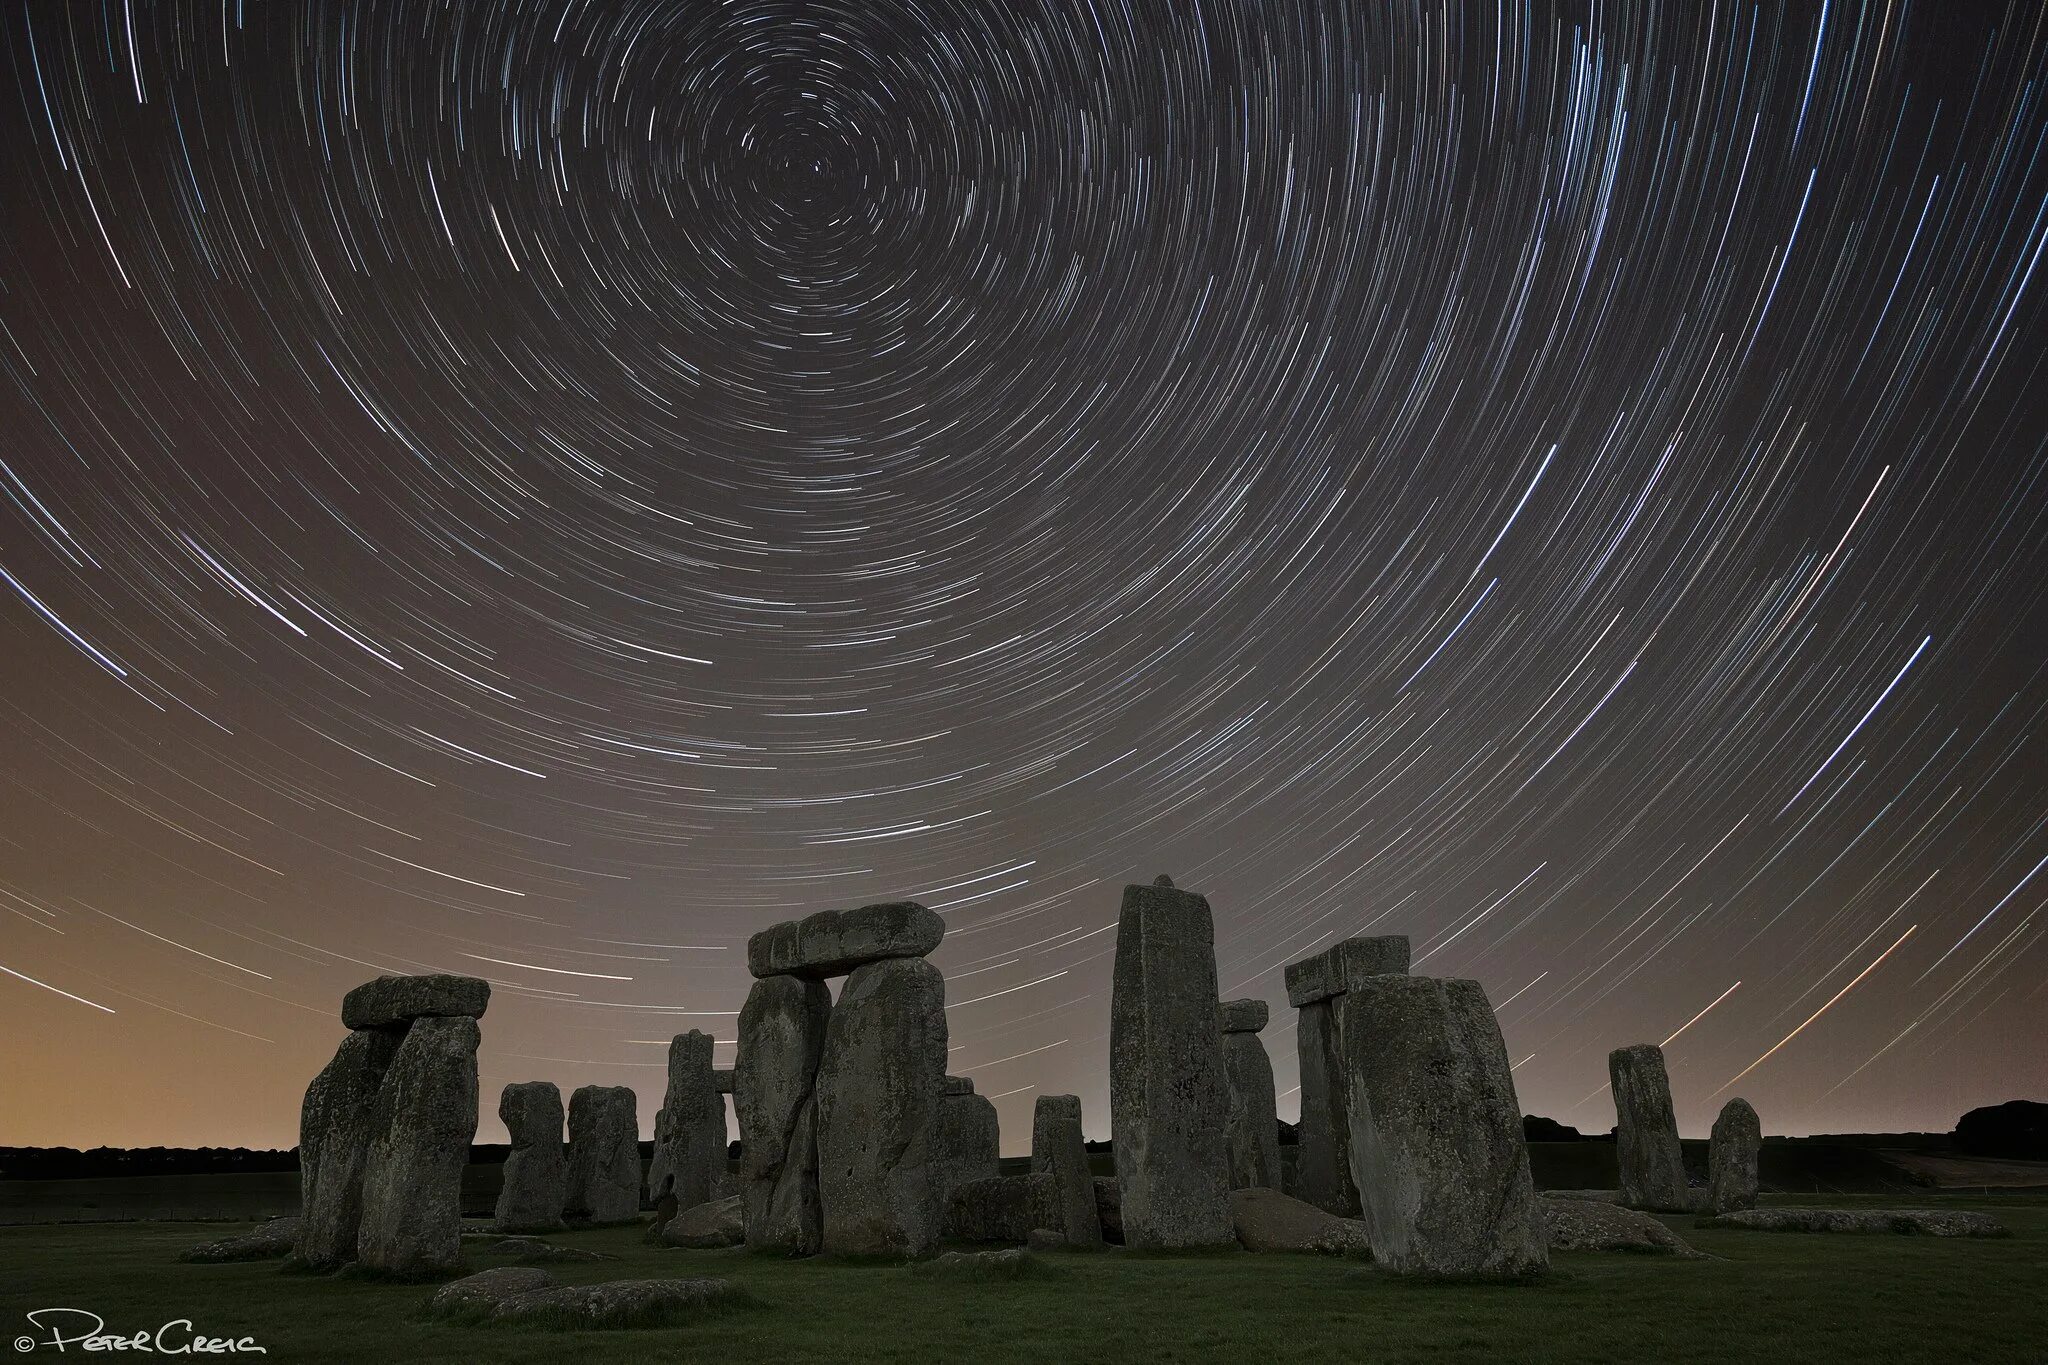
[396,999]
[535,1250]
[1013,1263]
[1910,1222]
[1596,1225]
[525,1294]
[271,1241]
[1267,1220]
[834,942]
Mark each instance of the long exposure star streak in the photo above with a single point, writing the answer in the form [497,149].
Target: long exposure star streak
[546,488]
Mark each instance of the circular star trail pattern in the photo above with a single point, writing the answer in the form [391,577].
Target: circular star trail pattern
[546,489]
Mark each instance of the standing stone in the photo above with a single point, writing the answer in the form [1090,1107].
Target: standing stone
[536,1169]
[425,1120]
[689,1131]
[1322,1174]
[834,942]
[967,1144]
[1058,1149]
[334,1137]
[1436,1131]
[604,1156]
[878,1100]
[1732,1152]
[1646,1133]
[781,1037]
[1252,1131]
[1314,986]
[1167,1097]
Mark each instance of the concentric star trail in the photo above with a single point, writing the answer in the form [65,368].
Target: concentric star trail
[554,486]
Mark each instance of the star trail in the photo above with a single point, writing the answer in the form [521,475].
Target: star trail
[546,488]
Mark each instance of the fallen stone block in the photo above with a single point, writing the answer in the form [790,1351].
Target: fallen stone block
[1592,1225]
[1267,1220]
[706,1226]
[269,1241]
[1907,1222]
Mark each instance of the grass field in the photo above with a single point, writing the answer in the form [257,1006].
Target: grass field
[1771,1297]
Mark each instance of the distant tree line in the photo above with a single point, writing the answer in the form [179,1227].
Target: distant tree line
[2016,1130]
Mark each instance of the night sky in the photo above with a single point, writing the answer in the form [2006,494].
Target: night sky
[543,490]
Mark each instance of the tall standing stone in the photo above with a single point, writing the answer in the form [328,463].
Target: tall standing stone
[781,1037]
[1436,1131]
[1732,1152]
[604,1156]
[1059,1149]
[536,1168]
[1322,1171]
[1167,1096]
[335,1129]
[425,1120]
[1314,986]
[1253,1129]
[1646,1132]
[689,1142]
[967,1145]
[878,1093]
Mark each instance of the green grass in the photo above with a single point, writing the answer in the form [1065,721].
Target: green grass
[1770,1298]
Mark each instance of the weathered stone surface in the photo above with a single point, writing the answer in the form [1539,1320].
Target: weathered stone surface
[781,1037]
[536,1251]
[487,1289]
[1014,1263]
[722,1079]
[957,1085]
[536,1167]
[1322,1173]
[604,1156]
[1167,1096]
[720,1223]
[1004,1208]
[523,1294]
[1332,971]
[1267,1220]
[1436,1131]
[834,942]
[424,1120]
[689,1141]
[1059,1149]
[1109,1207]
[334,1137]
[1243,1016]
[393,1000]
[1252,1131]
[878,1106]
[1646,1134]
[1594,1225]
[967,1145]
[1737,1142]
[266,1242]
[1911,1222]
